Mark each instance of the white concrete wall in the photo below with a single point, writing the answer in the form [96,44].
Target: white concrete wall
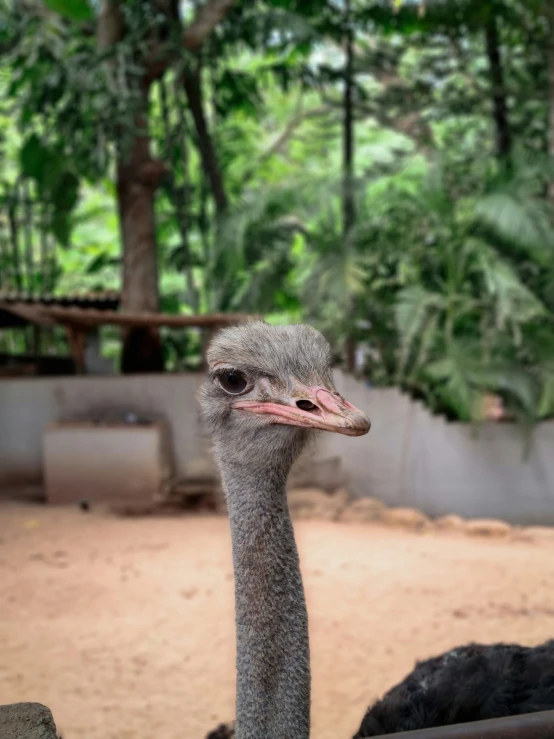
[412,458]
[409,458]
[27,405]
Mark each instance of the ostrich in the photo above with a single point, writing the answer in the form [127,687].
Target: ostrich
[469,683]
[269,390]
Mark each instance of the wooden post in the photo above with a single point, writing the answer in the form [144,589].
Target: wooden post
[37,339]
[76,341]
[350,355]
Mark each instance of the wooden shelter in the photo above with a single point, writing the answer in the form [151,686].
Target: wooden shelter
[18,315]
[82,315]
[18,309]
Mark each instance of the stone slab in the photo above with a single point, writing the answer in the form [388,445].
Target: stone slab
[27,721]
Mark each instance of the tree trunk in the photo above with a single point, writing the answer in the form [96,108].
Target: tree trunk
[348,203]
[193,89]
[138,176]
[498,89]
[550,8]
[349,355]
[136,212]
[179,196]
[111,26]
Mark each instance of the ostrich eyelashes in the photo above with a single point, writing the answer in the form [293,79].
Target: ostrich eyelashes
[232,381]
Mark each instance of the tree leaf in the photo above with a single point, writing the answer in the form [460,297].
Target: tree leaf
[513,300]
[61,227]
[76,10]
[66,194]
[522,222]
[412,310]
[31,157]
[546,403]
[100,261]
[511,380]
[170,303]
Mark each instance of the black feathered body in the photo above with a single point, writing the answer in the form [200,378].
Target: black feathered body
[469,683]
[223,731]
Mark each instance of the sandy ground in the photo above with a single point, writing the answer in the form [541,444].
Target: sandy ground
[124,627]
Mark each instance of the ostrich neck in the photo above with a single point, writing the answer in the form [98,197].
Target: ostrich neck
[273,669]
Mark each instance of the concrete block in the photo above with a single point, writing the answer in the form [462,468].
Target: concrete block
[27,721]
[106,462]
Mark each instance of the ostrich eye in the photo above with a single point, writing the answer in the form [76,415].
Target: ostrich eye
[232,381]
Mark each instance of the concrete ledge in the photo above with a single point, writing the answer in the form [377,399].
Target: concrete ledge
[27,721]
[111,463]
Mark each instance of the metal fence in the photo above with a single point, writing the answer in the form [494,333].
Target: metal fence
[528,726]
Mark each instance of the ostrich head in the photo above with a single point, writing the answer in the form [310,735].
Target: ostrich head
[269,389]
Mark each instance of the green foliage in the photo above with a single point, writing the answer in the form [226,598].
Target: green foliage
[78,10]
[56,183]
[446,278]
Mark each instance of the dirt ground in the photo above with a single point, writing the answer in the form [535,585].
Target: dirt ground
[124,627]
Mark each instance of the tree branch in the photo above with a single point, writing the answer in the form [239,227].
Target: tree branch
[283,138]
[207,18]
[498,90]
[551,99]
[193,90]
[194,35]
[110,26]
[348,199]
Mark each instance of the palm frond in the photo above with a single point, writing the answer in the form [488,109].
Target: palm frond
[452,386]
[545,406]
[522,221]
[510,380]
[412,310]
[514,302]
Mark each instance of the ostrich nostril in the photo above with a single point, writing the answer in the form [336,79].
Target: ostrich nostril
[306,405]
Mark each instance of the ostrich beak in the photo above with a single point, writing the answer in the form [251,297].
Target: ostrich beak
[312,407]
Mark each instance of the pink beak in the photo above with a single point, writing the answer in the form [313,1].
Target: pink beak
[313,407]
